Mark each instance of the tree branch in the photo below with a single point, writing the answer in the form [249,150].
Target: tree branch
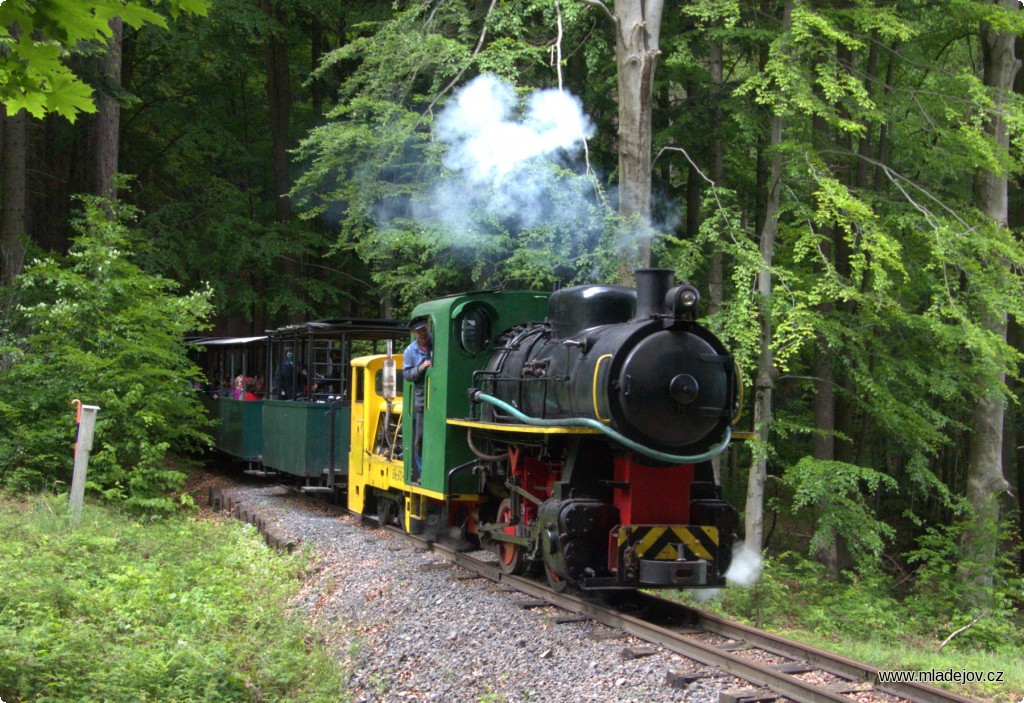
[341,273]
[604,8]
[476,50]
[968,626]
[558,45]
[897,179]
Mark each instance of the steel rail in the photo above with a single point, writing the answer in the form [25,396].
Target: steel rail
[825,660]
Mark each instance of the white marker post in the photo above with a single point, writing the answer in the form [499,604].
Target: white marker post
[86,419]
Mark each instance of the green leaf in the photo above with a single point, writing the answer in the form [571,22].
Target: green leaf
[69,96]
[33,103]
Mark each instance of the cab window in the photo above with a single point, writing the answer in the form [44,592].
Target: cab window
[474,330]
[359,387]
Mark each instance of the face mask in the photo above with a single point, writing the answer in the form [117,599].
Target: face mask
[289,357]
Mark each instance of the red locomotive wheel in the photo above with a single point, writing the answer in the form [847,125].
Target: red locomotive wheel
[510,555]
[557,583]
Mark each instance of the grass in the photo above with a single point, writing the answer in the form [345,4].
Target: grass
[169,610]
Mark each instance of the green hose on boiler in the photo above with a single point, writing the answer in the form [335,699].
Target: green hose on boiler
[714,451]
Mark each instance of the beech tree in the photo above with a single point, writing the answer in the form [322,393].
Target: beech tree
[637,27]
[12,171]
[985,480]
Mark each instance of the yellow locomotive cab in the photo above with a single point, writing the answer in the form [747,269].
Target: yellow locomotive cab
[375,456]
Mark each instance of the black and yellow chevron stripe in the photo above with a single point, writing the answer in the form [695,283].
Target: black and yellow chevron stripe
[658,541]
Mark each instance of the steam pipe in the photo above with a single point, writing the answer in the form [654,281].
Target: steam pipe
[479,396]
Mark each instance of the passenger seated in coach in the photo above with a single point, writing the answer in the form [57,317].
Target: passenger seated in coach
[217,388]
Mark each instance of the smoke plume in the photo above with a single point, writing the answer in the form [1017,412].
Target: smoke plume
[744,571]
[511,164]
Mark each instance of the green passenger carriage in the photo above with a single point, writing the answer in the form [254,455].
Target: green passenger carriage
[307,435]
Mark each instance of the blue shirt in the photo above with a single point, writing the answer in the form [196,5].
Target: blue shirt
[412,358]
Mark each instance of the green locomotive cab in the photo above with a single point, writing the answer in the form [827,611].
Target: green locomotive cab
[464,330]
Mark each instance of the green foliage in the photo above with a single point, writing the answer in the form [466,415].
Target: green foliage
[198,140]
[838,493]
[100,329]
[940,593]
[36,37]
[795,593]
[168,610]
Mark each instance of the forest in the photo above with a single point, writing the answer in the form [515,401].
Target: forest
[841,179]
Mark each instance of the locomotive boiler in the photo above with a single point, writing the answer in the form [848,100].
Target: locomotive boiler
[643,397]
[634,361]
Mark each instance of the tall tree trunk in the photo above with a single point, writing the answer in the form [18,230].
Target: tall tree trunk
[1012,465]
[882,152]
[764,384]
[1012,442]
[12,171]
[984,463]
[716,157]
[279,95]
[638,29]
[107,124]
[825,442]
[316,89]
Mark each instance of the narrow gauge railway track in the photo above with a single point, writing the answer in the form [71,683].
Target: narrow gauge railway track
[684,631]
[679,629]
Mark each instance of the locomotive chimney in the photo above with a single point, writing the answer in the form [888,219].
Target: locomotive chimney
[651,287]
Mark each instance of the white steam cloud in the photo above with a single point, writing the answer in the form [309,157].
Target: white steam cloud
[489,143]
[512,164]
[744,571]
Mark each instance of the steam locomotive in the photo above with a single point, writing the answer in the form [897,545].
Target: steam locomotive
[569,432]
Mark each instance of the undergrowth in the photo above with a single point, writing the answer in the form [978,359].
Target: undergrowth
[175,609]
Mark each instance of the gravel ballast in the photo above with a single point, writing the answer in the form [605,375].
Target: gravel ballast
[408,626]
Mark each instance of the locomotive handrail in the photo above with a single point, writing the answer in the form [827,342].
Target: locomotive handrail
[479,396]
[597,370]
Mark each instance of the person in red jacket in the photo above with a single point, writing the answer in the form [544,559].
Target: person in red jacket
[250,389]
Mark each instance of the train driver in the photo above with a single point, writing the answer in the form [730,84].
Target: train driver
[415,362]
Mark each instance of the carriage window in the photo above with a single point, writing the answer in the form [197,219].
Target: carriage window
[474,330]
